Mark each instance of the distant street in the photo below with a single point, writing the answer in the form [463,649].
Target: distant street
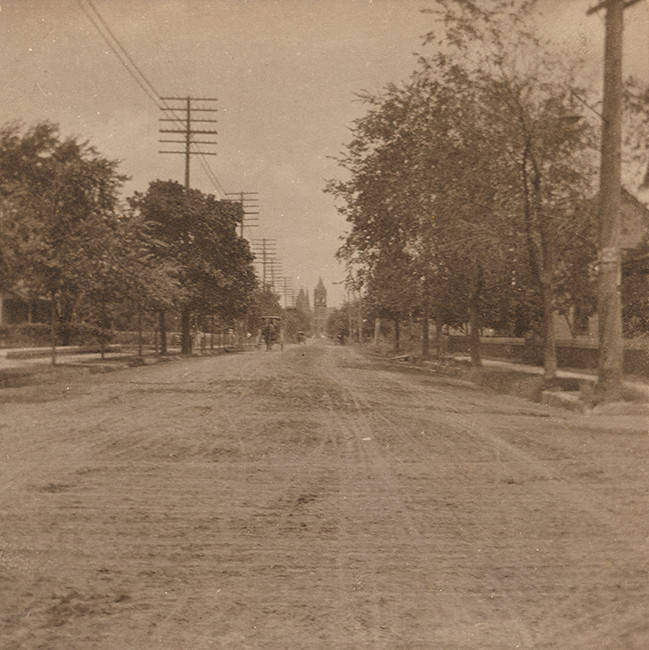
[315,498]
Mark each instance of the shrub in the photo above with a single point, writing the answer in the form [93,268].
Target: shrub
[83,333]
[24,335]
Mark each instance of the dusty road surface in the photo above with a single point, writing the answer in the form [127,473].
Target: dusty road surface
[315,498]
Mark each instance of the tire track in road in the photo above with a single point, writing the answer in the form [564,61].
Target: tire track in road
[514,612]
[604,567]
[285,517]
[320,502]
[182,605]
[485,436]
[556,490]
[408,549]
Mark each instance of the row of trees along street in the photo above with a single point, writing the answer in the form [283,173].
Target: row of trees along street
[470,188]
[66,237]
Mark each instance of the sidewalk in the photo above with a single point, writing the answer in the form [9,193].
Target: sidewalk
[23,357]
[22,366]
[525,381]
[636,386]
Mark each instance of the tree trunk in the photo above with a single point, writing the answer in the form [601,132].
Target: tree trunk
[474,319]
[53,325]
[139,330]
[349,320]
[102,332]
[425,333]
[397,343]
[474,334]
[185,332]
[377,330]
[163,331]
[439,336]
[549,349]
[547,295]
[66,318]
[425,337]
[360,318]
[545,272]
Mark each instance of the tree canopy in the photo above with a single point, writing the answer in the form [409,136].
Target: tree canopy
[199,234]
[461,185]
[65,236]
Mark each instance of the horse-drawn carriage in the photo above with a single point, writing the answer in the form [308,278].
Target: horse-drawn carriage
[270,330]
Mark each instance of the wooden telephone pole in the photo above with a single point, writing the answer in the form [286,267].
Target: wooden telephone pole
[265,250]
[185,128]
[609,302]
[287,291]
[250,205]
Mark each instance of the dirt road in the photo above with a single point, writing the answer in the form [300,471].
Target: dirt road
[315,498]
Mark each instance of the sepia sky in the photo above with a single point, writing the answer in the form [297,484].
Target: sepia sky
[285,73]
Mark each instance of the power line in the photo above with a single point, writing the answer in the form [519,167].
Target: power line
[207,169]
[150,93]
[121,47]
[129,64]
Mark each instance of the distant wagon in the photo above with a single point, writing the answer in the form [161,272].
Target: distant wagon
[270,330]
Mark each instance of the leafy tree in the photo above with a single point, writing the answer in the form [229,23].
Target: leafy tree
[304,309]
[264,302]
[526,92]
[471,171]
[295,321]
[60,195]
[415,202]
[337,325]
[125,276]
[198,234]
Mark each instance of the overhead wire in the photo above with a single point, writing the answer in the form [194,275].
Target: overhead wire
[129,64]
[152,95]
[143,79]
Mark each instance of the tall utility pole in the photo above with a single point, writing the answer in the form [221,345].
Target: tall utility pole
[250,204]
[609,303]
[287,290]
[266,250]
[185,124]
[275,270]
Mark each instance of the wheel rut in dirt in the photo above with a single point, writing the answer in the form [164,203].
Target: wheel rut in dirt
[315,498]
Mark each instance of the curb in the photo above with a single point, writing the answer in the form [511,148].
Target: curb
[564,399]
[18,377]
[44,353]
[45,373]
[570,398]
